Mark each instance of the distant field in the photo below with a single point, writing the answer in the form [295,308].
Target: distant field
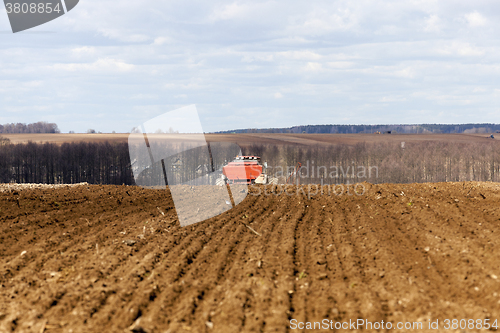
[261,138]
[62,138]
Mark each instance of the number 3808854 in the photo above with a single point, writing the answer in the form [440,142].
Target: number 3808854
[32,8]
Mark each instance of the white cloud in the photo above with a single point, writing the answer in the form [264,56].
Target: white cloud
[300,55]
[432,24]
[161,40]
[340,64]
[461,48]
[33,84]
[100,65]
[405,73]
[319,21]
[144,96]
[124,36]
[84,50]
[475,19]
[313,67]
[249,58]
[391,99]
[230,12]
[278,95]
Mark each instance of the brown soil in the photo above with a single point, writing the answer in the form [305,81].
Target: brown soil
[114,259]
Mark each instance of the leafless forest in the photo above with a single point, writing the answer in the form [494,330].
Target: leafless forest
[420,162]
[416,162]
[69,163]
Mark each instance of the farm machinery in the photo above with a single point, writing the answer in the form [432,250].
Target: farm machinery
[246,170]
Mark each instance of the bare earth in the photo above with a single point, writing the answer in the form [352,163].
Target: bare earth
[114,259]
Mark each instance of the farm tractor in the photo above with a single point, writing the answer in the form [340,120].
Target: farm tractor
[246,170]
[249,170]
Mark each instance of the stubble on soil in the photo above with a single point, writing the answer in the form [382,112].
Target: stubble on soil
[115,259]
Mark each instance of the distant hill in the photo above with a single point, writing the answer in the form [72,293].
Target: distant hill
[355,129]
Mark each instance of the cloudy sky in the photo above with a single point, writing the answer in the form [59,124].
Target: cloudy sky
[112,65]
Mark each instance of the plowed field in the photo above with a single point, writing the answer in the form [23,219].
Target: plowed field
[114,259]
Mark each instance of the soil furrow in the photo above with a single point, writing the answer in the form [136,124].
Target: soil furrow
[112,258]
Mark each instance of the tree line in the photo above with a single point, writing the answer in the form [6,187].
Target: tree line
[355,129]
[69,163]
[419,162]
[39,127]
[109,163]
